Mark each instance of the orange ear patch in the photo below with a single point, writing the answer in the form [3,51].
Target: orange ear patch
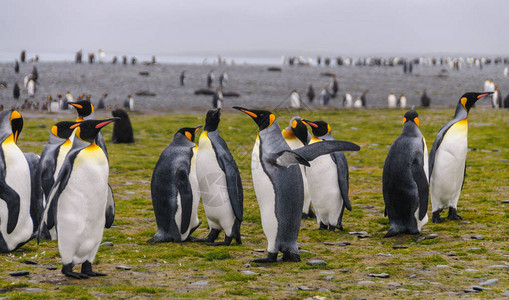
[188,135]
[404,121]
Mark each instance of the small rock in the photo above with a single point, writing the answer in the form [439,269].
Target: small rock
[470,291]
[363,236]
[329,277]
[304,288]
[399,247]
[442,266]
[384,254]
[394,285]
[492,281]
[246,272]
[471,270]
[247,266]
[126,268]
[341,244]
[323,290]
[201,282]
[431,236]
[495,150]
[403,290]
[107,244]
[381,275]
[19,273]
[346,270]
[480,288]
[358,233]
[477,237]
[316,262]
[51,268]
[365,282]
[418,284]
[486,151]
[42,126]
[412,276]
[328,272]
[505,294]
[499,267]
[259,250]
[451,253]
[505,201]
[303,251]
[464,222]
[30,262]
[33,290]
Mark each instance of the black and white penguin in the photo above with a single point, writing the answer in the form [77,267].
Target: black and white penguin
[210,79]
[324,97]
[425,99]
[217,99]
[447,160]
[219,182]
[16,91]
[101,104]
[295,101]
[182,77]
[35,74]
[310,93]
[278,183]
[78,205]
[175,191]
[328,180]
[223,79]
[392,101]
[22,56]
[16,66]
[31,88]
[405,179]
[122,129]
[334,87]
[296,136]
[86,111]
[16,227]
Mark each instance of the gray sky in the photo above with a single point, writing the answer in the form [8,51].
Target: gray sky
[237,27]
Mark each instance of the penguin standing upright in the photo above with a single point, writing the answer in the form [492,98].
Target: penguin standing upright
[402,101]
[31,88]
[328,179]
[295,101]
[210,79]
[324,97]
[122,129]
[175,191]
[86,111]
[78,201]
[405,179]
[219,182]
[16,66]
[447,160]
[334,86]
[347,100]
[392,101]
[217,99]
[15,91]
[16,223]
[278,183]
[296,136]
[182,77]
[310,93]
[223,79]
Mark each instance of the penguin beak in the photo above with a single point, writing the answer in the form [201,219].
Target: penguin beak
[197,128]
[310,123]
[484,95]
[78,106]
[246,111]
[102,124]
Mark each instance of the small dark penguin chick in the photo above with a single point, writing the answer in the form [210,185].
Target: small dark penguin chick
[122,129]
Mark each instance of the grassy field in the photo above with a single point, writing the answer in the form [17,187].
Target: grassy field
[441,267]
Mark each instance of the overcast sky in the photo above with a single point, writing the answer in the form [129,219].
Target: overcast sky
[236,27]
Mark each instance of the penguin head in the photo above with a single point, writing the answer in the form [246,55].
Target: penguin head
[84,108]
[212,120]
[469,99]
[319,128]
[263,118]
[88,129]
[299,129]
[16,124]
[189,132]
[63,129]
[411,116]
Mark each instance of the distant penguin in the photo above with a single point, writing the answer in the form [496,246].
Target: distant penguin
[405,179]
[486,87]
[133,60]
[278,183]
[425,100]
[447,160]
[31,88]
[124,60]
[310,93]
[25,81]
[16,91]
[91,58]
[296,136]
[210,79]
[16,227]
[392,101]
[78,57]
[54,105]
[182,77]
[122,129]
[334,86]
[102,56]
[217,99]
[496,98]
[34,74]
[101,103]
[220,183]
[506,71]
[175,191]
[506,101]
[328,179]
[295,101]
[114,61]
[324,97]
[348,101]
[364,99]
[223,79]
[491,86]
[78,205]
[402,102]
[16,66]
[22,56]
[357,103]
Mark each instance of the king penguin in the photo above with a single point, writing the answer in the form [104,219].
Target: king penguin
[447,160]
[86,111]
[175,191]
[78,201]
[405,179]
[278,183]
[219,182]
[16,221]
[328,180]
[296,136]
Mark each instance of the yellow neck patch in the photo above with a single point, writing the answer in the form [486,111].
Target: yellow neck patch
[9,139]
[463,102]
[288,134]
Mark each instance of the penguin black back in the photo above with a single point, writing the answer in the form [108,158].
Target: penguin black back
[122,129]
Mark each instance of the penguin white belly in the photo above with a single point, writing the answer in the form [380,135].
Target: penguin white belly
[391,101]
[31,88]
[449,167]
[295,143]
[62,153]
[17,176]
[213,188]
[348,100]
[295,101]
[357,103]
[266,198]
[82,206]
[324,187]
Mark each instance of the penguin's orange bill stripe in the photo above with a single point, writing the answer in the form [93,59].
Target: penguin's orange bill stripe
[249,113]
[75,125]
[311,124]
[482,95]
[101,125]
[416,120]
[77,105]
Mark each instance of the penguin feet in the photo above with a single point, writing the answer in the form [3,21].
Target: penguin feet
[292,257]
[304,216]
[160,237]
[322,226]
[436,217]
[453,215]
[332,228]
[194,239]
[227,242]
[271,258]
[311,214]
[67,271]
[86,269]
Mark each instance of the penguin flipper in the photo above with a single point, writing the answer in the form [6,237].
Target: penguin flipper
[287,158]
[186,198]
[422,186]
[110,208]
[339,159]
[314,150]
[12,200]
[436,144]
[36,197]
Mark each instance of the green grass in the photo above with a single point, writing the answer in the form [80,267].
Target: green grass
[169,270]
